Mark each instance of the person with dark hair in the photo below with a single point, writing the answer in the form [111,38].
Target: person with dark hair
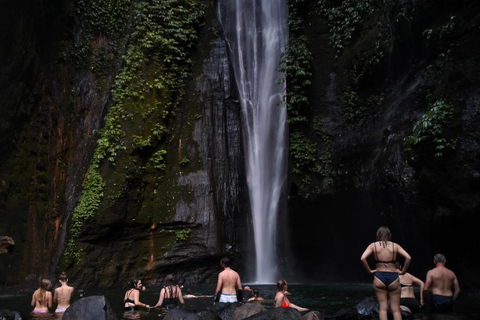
[171,294]
[408,302]
[62,295]
[132,296]
[256,296]
[385,281]
[281,300]
[228,283]
[444,285]
[42,297]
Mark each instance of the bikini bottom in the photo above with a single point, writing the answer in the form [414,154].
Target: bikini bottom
[386,277]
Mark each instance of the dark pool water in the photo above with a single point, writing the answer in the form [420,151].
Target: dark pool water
[327,299]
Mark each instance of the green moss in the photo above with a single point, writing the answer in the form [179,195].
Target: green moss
[88,204]
[182,235]
[146,94]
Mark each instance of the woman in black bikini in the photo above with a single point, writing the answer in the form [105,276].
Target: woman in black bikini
[385,280]
[408,302]
[170,294]
[132,296]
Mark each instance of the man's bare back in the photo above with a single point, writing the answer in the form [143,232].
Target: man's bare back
[442,281]
[229,280]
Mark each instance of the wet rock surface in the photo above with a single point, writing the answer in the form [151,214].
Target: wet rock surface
[90,308]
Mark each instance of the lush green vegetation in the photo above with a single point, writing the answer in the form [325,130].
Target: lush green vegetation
[296,64]
[431,128]
[344,19]
[146,92]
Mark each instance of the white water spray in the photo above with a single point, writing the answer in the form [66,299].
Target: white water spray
[257,33]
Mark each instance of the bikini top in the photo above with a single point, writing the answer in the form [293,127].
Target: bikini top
[405,285]
[376,256]
[128,297]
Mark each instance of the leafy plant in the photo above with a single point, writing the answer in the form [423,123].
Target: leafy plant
[430,127]
[182,235]
[344,18]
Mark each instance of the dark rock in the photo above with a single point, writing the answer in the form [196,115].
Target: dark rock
[181,314]
[367,307]
[225,311]
[90,308]
[6,244]
[208,315]
[277,314]
[9,315]
[313,315]
[248,310]
[344,314]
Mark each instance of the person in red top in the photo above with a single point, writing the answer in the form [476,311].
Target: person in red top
[281,300]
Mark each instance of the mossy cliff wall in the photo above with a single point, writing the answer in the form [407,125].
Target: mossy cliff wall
[149,144]
[121,141]
[384,120]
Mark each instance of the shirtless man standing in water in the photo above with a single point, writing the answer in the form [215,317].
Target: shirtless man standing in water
[228,281]
[442,280]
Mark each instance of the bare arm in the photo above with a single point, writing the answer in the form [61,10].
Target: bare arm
[160,298]
[219,285]
[456,288]
[239,283]
[428,282]
[420,283]
[55,295]
[33,300]
[407,257]
[180,296]
[136,299]
[364,257]
[49,299]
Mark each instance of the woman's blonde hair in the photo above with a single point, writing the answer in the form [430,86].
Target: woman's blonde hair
[40,293]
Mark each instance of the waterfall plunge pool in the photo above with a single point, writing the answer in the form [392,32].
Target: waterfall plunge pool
[327,299]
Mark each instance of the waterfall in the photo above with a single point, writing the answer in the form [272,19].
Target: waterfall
[256,32]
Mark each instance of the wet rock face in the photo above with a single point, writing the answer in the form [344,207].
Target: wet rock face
[365,114]
[208,218]
[6,244]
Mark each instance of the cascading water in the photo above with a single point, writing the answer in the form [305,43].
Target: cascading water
[257,33]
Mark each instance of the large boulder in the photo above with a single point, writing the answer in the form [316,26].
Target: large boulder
[277,314]
[367,307]
[90,308]
[313,315]
[6,244]
[180,314]
[248,310]
[9,315]
[225,311]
